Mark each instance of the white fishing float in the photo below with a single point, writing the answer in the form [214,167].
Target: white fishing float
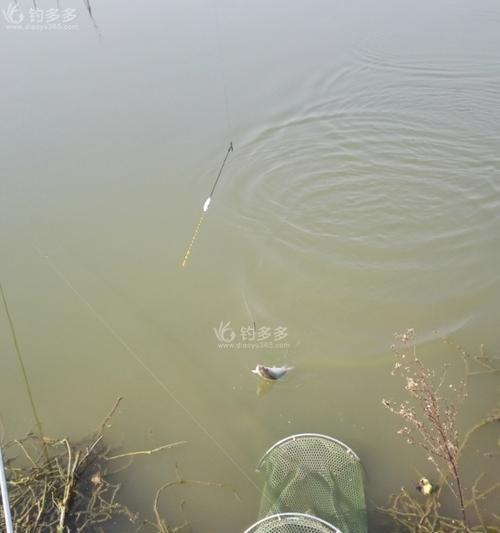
[205,207]
[206,204]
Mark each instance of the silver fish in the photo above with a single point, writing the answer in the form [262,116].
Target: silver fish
[271,373]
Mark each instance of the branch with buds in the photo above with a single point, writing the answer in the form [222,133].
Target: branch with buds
[430,416]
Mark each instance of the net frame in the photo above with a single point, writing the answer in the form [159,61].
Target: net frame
[297,436]
[292,523]
[305,462]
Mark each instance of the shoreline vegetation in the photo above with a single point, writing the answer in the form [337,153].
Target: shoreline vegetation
[74,491]
[61,486]
[55,485]
[430,417]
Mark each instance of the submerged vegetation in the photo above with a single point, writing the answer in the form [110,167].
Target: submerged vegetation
[430,416]
[59,486]
[62,487]
[55,485]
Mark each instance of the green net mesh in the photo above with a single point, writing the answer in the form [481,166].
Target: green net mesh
[316,475]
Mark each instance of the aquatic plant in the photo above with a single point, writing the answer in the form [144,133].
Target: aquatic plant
[430,416]
[71,490]
[75,489]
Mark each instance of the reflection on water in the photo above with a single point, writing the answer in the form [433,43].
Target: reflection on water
[362,198]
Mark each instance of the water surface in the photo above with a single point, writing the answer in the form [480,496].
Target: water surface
[362,198]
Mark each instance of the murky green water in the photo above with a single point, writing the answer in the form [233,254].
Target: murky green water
[362,198]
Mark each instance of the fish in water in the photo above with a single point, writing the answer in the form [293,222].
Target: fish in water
[271,373]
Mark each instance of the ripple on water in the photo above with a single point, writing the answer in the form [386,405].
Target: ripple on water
[379,174]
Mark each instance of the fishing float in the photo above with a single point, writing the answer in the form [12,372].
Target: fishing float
[205,207]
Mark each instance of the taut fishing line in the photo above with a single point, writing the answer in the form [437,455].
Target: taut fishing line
[147,369]
[135,355]
[228,125]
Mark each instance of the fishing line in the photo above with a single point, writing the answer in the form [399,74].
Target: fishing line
[24,372]
[249,311]
[148,370]
[222,76]
[222,67]
[205,207]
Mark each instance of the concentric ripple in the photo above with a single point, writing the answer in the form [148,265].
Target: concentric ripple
[395,168]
